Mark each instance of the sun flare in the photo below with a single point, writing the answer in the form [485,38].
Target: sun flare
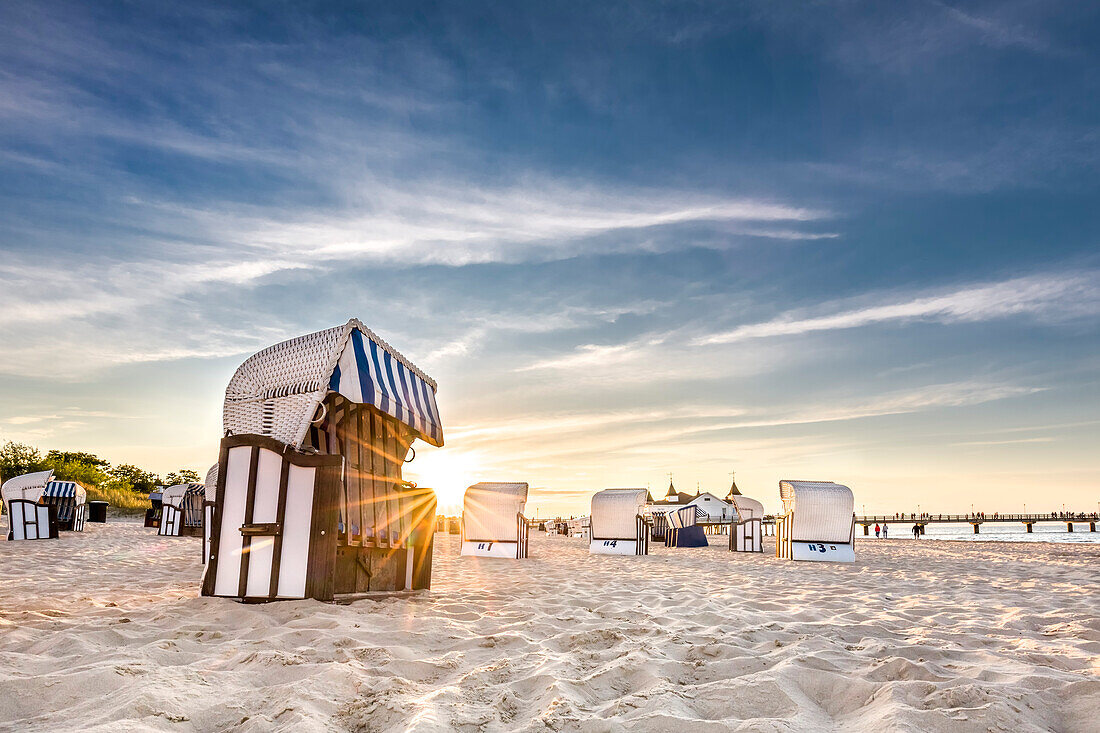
[448,471]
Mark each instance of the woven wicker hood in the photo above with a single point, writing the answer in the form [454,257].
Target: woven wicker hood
[276,391]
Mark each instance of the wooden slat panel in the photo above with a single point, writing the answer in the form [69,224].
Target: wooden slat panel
[354,471]
[411,512]
[340,406]
[321,569]
[280,518]
[362,460]
[250,501]
[378,481]
[393,475]
[211,573]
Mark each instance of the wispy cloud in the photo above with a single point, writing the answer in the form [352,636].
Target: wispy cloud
[642,425]
[454,223]
[407,226]
[597,355]
[1048,296]
[1006,442]
[959,394]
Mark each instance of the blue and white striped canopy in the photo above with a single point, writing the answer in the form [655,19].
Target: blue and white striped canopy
[279,391]
[368,374]
[60,490]
[66,496]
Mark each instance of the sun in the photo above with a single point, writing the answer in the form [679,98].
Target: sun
[449,471]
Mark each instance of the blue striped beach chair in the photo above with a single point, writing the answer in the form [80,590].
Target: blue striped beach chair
[683,530]
[309,499]
[71,500]
[181,510]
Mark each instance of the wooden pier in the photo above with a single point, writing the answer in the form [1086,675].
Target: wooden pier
[977,520]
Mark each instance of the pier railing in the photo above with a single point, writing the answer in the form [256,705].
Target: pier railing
[971,518]
[976,520]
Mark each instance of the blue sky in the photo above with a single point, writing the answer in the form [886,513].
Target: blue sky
[845,241]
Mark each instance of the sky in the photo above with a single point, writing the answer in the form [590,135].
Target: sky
[846,241]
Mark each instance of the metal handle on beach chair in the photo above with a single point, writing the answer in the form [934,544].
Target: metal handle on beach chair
[268,529]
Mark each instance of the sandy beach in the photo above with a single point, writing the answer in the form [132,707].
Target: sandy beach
[106,631]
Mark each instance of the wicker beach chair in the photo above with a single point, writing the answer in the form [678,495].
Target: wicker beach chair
[683,531]
[617,526]
[153,513]
[181,510]
[310,501]
[746,529]
[493,524]
[818,522]
[71,500]
[62,505]
[29,520]
[578,528]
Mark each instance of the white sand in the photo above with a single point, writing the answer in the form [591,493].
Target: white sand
[939,636]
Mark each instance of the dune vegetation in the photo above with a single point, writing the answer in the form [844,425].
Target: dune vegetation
[125,487]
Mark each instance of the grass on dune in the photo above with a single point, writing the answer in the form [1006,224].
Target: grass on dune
[122,501]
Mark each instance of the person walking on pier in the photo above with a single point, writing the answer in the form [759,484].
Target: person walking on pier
[876,529]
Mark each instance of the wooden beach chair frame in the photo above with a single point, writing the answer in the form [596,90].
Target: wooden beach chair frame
[309,499]
[170,520]
[184,519]
[30,520]
[747,535]
[207,526]
[746,531]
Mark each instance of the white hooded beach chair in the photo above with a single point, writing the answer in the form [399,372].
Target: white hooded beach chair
[310,502]
[617,526]
[493,524]
[746,529]
[28,519]
[818,522]
[39,506]
[181,510]
[578,528]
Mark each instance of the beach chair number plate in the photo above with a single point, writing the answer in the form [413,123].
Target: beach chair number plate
[490,549]
[820,551]
[615,547]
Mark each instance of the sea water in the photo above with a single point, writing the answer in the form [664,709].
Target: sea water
[993,532]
